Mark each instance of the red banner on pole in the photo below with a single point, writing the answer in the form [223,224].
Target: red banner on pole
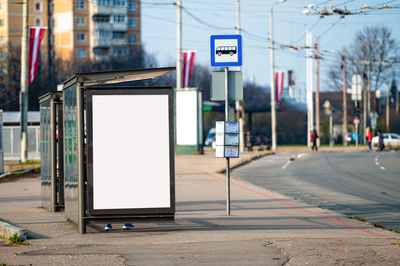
[35,38]
[279,79]
[188,62]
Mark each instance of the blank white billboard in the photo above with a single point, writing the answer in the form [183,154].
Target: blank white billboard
[186,118]
[131,152]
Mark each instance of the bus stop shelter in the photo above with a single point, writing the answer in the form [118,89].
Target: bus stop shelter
[118,148]
[51,151]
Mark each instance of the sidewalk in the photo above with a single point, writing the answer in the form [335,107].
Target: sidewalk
[265,228]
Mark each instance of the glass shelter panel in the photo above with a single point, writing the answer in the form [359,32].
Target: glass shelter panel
[70,154]
[45,149]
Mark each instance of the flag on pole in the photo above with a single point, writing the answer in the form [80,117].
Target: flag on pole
[35,38]
[188,62]
[279,79]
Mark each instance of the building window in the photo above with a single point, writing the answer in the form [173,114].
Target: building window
[80,21]
[2,70]
[1,38]
[81,37]
[118,35]
[119,18]
[132,6]
[38,22]
[81,68]
[120,51]
[132,22]
[103,35]
[2,55]
[1,22]
[132,38]
[51,7]
[118,3]
[80,5]
[104,2]
[101,18]
[82,53]
[38,7]
[1,6]
[100,51]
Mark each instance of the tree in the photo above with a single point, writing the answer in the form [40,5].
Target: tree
[373,54]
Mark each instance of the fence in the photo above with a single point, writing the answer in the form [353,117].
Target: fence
[12,142]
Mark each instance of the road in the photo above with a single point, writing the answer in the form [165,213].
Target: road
[358,184]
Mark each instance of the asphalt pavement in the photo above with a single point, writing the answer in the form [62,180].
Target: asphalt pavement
[265,228]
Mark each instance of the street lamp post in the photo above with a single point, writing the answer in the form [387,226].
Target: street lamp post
[271,52]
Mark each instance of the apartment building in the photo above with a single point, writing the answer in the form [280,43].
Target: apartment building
[11,30]
[94,30]
[78,31]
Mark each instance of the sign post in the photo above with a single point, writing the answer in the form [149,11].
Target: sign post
[226,51]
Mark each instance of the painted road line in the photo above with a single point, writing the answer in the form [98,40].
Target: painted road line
[383,168]
[286,164]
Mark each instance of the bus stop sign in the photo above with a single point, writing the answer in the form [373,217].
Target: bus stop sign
[226,50]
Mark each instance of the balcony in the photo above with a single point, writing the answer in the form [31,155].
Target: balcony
[120,26]
[120,41]
[101,42]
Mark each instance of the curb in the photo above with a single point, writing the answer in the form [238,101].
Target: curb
[7,230]
[20,173]
[246,161]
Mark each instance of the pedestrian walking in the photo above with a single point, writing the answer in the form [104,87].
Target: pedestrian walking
[381,144]
[314,136]
[368,136]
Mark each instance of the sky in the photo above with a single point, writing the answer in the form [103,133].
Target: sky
[203,18]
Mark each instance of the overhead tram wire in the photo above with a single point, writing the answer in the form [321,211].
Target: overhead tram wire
[333,25]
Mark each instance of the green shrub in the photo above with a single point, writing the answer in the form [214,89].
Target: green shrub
[14,239]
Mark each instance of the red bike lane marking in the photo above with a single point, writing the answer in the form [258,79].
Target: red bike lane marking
[298,208]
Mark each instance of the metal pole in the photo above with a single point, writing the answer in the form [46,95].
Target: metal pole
[387,108]
[330,130]
[357,136]
[365,104]
[317,89]
[228,174]
[24,83]
[81,157]
[397,98]
[271,52]
[238,116]
[179,47]
[344,99]
[53,155]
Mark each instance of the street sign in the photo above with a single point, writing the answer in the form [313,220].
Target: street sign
[373,116]
[235,85]
[356,88]
[226,50]
[356,121]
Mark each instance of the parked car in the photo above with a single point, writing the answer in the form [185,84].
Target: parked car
[210,137]
[391,141]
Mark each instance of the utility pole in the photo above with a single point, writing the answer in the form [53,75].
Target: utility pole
[271,53]
[317,88]
[365,104]
[239,118]
[309,85]
[24,82]
[397,98]
[344,99]
[387,108]
[179,47]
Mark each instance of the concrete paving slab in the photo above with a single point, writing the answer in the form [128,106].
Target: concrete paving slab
[265,228]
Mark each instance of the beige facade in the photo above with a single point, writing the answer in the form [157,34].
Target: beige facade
[78,31]
[95,30]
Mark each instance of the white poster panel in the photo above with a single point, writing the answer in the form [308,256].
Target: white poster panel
[131,164]
[186,118]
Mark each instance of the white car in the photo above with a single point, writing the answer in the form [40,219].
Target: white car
[391,140]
